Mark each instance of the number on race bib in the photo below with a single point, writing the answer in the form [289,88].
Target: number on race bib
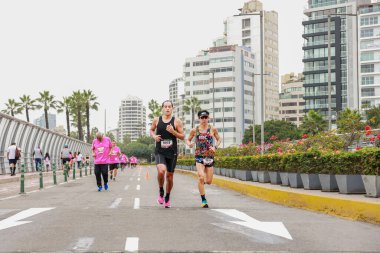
[166,143]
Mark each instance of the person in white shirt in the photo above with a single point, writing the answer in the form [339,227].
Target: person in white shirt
[38,156]
[79,160]
[11,155]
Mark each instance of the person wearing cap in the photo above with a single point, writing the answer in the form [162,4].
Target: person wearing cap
[65,155]
[165,130]
[204,152]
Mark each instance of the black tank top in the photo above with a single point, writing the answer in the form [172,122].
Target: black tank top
[168,145]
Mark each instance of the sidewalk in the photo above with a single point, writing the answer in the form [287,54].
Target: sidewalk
[354,207]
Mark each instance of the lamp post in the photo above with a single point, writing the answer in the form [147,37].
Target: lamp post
[329,61]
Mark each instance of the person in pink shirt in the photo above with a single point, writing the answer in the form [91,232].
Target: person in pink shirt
[123,160]
[101,147]
[114,160]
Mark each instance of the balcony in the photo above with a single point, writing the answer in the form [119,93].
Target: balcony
[318,68]
[319,93]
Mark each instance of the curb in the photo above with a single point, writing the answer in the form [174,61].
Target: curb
[349,209]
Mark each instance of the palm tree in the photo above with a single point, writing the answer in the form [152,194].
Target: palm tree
[65,105]
[27,104]
[313,123]
[13,108]
[47,102]
[78,105]
[91,104]
[192,105]
[155,109]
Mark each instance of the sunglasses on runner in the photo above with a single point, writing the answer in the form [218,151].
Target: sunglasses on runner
[204,117]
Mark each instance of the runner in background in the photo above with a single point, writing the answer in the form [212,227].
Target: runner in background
[114,160]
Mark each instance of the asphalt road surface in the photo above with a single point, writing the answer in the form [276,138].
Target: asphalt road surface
[75,217]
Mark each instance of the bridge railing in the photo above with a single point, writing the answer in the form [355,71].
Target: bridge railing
[27,137]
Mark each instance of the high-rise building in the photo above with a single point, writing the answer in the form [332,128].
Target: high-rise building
[177,96]
[41,122]
[292,103]
[244,30]
[132,118]
[369,25]
[233,67]
[344,48]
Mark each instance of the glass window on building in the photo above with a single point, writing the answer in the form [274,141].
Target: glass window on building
[368,68]
[366,33]
[368,80]
[246,23]
[368,92]
[367,56]
[373,20]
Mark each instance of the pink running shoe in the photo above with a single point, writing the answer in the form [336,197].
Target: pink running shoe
[167,204]
[160,200]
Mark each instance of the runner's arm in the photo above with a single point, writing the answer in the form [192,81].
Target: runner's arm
[217,137]
[179,130]
[191,136]
[157,138]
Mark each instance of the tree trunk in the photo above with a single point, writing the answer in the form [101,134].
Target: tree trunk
[46,119]
[80,130]
[12,113]
[68,121]
[88,122]
[192,118]
[27,113]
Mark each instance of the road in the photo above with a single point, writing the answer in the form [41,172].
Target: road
[74,217]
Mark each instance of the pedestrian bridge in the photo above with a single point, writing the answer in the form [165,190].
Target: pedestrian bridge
[27,136]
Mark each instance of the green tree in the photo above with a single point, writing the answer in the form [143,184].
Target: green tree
[94,130]
[282,130]
[91,104]
[47,102]
[12,107]
[65,105]
[155,109]
[27,104]
[126,139]
[373,116]
[139,150]
[110,135]
[78,105]
[192,105]
[349,123]
[147,140]
[313,123]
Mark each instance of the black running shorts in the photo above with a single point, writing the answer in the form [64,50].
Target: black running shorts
[170,163]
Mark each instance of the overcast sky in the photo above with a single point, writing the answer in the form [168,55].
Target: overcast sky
[118,47]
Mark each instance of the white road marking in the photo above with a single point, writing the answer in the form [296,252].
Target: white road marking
[138,179]
[136,205]
[11,197]
[275,228]
[132,244]
[14,220]
[126,187]
[84,243]
[115,203]
[138,187]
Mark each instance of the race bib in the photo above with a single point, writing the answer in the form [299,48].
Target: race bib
[166,143]
[208,161]
[101,150]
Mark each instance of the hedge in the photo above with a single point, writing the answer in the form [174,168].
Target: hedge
[364,162]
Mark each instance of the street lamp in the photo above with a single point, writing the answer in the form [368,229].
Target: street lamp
[261,14]
[329,61]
